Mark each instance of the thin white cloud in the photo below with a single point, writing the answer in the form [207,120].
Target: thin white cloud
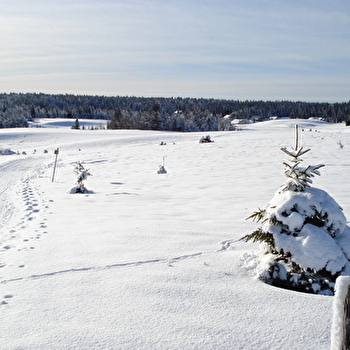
[214,48]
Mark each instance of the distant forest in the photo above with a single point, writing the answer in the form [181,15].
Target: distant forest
[159,113]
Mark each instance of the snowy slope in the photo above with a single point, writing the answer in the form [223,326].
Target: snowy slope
[151,261]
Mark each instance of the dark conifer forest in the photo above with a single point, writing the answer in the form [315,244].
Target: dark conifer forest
[159,113]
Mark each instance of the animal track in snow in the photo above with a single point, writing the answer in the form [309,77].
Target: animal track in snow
[169,263]
[6,298]
[27,225]
[33,205]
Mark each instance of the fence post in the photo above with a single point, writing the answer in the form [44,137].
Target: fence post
[346,321]
[340,335]
[54,166]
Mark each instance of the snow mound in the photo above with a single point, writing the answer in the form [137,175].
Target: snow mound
[314,219]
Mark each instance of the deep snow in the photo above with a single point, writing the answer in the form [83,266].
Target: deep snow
[148,260]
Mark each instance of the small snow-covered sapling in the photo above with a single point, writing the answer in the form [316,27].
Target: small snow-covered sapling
[205,139]
[82,175]
[161,169]
[340,144]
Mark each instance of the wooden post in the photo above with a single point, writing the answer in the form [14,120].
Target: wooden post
[296,137]
[340,333]
[346,322]
[54,166]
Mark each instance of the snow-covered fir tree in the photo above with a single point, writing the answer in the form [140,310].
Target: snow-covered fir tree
[76,124]
[161,169]
[304,239]
[82,175]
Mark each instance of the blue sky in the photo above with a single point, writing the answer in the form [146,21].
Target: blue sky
[230,49]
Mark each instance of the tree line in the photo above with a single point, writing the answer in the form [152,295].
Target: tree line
[159,113]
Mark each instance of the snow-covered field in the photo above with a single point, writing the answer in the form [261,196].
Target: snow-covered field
[152,261]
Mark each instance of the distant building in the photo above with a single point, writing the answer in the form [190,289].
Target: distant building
[239,121]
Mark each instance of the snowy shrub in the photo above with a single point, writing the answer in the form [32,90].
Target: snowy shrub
[205,139]
[304,239]
[6,152]
[82,175]
[161,169]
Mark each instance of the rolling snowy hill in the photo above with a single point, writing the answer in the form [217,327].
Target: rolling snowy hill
[147,260]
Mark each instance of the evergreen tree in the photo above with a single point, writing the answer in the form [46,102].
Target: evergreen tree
[82,175]
[116,120]
[347,120]
[154,114]
[305,242]
[32,113]
[76,125]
